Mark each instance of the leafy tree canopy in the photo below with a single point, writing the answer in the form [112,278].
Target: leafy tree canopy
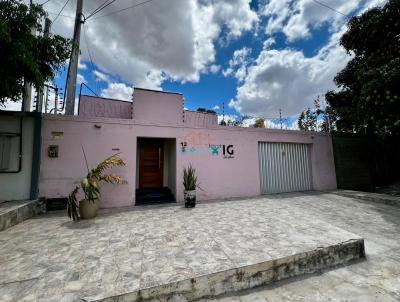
[206,110]
[317,119]
[259,123]
[369,97]
[24,55]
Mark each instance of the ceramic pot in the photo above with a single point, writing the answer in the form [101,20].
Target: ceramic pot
[88,209]
[190,198]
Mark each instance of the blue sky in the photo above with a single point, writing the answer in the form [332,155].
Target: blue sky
[255,56]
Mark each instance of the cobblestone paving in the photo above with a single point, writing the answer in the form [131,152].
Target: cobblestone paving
[52,259]
[376,279]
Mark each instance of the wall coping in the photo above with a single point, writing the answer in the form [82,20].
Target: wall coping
[182,126]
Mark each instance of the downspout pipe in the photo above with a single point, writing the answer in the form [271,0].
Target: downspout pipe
[36,152]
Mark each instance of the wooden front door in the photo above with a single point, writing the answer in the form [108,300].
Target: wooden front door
[151,165]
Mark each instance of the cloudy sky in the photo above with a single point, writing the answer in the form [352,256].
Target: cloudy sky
[256,56]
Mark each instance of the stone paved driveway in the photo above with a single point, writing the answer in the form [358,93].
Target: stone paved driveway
[52,259]
[376,279]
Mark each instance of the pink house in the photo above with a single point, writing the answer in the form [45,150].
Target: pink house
[157,138]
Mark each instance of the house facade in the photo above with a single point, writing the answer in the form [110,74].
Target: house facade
[157,138]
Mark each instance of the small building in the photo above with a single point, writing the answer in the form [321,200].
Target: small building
[157,138]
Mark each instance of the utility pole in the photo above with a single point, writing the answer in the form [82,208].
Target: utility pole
[26,102]
[70,88]
[27,96]
[46,33]
[55,100]
[328,120]
[280,117]
[47,100]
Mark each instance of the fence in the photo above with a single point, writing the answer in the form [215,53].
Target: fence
[363,162]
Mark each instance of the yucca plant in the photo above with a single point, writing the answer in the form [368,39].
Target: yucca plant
[90,185]
[190,182]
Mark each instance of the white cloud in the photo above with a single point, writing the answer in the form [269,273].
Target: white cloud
[286,79]
[238,64]
[11,106]
[268,43]
[215,68]
[227,118]
[80,79]
[216,107]
[227,72]
[296,19]
[236,15]
[101,76]
[81,65]
[160,40]
[118,91]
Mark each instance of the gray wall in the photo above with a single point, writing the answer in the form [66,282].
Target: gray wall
[17,186]
[170,166]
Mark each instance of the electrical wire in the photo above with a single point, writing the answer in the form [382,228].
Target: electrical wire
[100,8]
[44,2]
[331,8]
[90,54]
[123,9]
[59,13]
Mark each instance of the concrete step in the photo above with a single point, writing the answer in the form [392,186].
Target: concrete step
[14,212]
[149,196]
[246,277]
[367,196]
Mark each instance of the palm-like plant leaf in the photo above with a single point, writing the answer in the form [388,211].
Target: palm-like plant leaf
[72,204]
[112,179]
[113,161]
[91,183]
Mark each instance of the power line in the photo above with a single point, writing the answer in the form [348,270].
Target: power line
[83,84]
[123,9]
[331,8]
[90,55]
[44,2]
[59,13]
[100,8]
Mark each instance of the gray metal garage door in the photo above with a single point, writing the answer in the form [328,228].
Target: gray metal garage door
[284,167]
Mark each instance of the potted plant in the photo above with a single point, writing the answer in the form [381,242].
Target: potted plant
[90,185]
[190,183]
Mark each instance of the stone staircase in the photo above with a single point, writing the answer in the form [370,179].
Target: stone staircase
[151,196]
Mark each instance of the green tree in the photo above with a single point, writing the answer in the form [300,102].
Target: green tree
[239,122]
[317,119]
[259,123]
[206,110]
[26,56]
[307,120]
[369,97]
